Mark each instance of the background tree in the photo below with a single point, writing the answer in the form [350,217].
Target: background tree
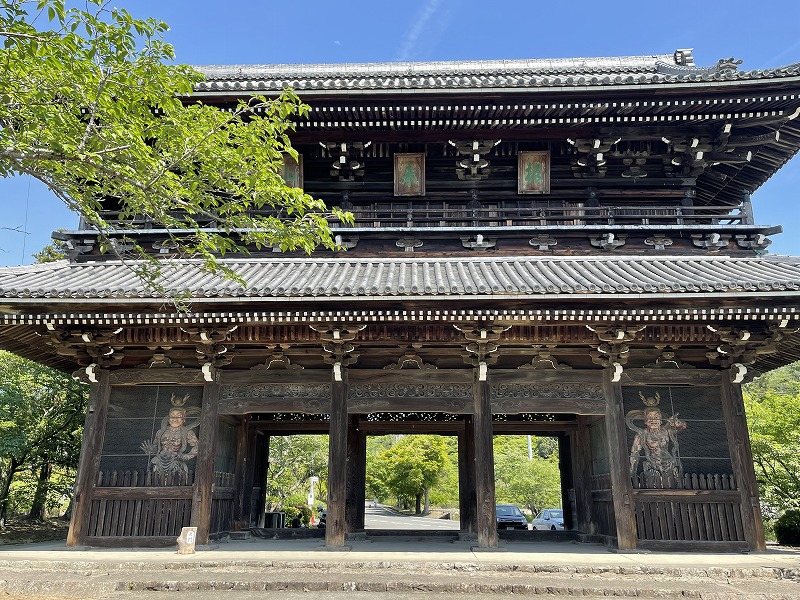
[41,417]
[409,468]
[91,106]
[772,405]
[293,459]
[531,483]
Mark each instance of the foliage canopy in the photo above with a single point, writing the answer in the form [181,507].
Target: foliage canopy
[41,419]
[91,105]
[772,404]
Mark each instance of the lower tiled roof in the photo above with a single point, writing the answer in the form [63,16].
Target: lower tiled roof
[295,278]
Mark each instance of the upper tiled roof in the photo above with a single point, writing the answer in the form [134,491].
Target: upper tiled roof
[561,72]
[393,278]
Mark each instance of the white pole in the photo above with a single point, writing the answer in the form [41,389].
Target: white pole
[530,448]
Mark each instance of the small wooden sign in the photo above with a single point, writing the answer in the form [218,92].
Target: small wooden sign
[533,172]
[292,171]
[409,174]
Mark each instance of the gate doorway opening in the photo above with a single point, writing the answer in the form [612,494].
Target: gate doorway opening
[412,482]
[528,477]
[296,483]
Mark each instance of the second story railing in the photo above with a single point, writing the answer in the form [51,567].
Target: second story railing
[383,215]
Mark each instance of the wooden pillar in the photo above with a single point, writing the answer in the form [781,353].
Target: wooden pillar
[466,476]
[581,476]
[567,486]
[206,453]
[259,487]
[742,462]
[486,518]
[356,475]
[94,429]
[619,464]
[242,476]
[336,525]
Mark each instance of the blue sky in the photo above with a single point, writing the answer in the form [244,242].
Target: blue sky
[316,31]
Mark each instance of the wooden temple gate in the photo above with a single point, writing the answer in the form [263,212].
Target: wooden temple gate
[561,246]
[122,501]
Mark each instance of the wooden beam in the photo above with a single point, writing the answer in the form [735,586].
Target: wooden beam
[742,462]
[336,525]
[89,460]
[619,465]
[206,453]
[486,518]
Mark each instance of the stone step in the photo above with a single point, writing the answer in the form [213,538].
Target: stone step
[104,580]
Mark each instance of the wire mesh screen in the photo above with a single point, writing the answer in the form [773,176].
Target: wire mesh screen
[675,434]
[151,436]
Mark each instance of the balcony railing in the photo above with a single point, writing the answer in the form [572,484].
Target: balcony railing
[441,214]
[549,216]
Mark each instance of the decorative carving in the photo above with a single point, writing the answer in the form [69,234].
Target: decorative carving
[410,360]
[543,241]
[658,241]
[668,360]
[155,376]
[544,360]
[561,391]
[728,65]
[669,376]
[608,241]
[159,361]
[408,406]
[317,406]
[478,242]
[275,390]
[411,390]
[276,360]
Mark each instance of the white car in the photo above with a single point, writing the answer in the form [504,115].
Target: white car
[549,519]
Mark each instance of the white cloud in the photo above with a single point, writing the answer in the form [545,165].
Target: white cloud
[413,35]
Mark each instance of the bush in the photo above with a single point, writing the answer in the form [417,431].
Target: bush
[787,528]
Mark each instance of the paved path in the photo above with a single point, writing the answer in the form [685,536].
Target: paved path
[381,517]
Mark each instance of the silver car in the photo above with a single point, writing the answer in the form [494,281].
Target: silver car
[549,519]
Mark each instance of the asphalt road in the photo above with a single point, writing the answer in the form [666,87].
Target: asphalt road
[385,518]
